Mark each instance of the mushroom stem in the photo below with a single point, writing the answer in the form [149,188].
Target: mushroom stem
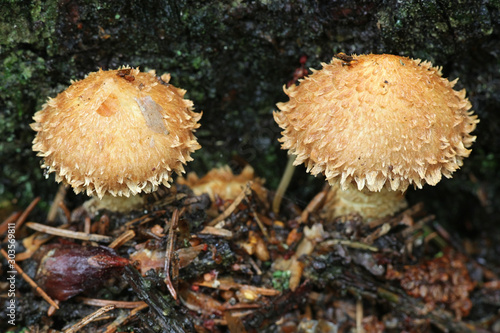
[114,204]
[370,205]
[283,185]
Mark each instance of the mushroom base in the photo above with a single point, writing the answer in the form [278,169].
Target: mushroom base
[114,204]
[370,205]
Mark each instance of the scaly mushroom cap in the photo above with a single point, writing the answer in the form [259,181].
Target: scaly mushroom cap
[223,183]
[120,132]
[379,120]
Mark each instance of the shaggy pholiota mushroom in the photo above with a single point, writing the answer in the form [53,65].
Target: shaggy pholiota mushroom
[373,125]
[118,132]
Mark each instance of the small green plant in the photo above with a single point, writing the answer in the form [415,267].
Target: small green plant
[281,280]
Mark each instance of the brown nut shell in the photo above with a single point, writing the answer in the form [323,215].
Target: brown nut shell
[120,132]
[378,120]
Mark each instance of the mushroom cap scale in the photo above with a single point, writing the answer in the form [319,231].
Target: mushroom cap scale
[381,120]
[120,132]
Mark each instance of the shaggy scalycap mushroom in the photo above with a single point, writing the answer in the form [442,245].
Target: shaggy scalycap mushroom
[120,132]
[377,121]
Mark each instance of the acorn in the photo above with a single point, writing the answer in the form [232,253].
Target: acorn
[65,270]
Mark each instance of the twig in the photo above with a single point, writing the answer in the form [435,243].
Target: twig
[28,279]
[86,225]
[386,227]
[259,222]
[169,199]
[123,319]
[255,266]
[169,251]
[26,212]
[66,211]
[239,306]
[69,233]
[34,241]
[145,218]
[5,224]
[217,232]
[24,215]
[139,308]
[119,321]
[31,244]
[61,193]
[117,304]
[359,316]
[408,231]
[122,239]
[233,205]
[313,205]
[103,225]
[446,237]
[91,317]
[229,284]
[346,242]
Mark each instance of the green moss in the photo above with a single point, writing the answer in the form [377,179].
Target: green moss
[281,280]
[20,69]
[433,29]
[21,77]
[28,23]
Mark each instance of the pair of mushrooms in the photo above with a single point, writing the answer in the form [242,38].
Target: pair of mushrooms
[372,124]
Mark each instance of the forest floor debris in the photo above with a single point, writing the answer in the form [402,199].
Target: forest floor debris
[188,263]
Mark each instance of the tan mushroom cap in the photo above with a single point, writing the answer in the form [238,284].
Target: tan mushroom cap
[380,120]
[120,132]
[222,183]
